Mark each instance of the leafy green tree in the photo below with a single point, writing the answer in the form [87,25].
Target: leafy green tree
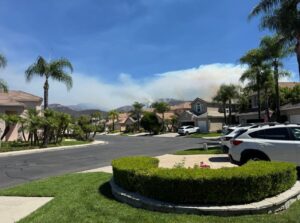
[3,84]
[275,50]
[174,122]
[55,70]
[295,94]
[86,126]
[255,60]
[96,120]
[137,112]
[283,17]
[151,123]
[243,101]
[113,115]
[162,108]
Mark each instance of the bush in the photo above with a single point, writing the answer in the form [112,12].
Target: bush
[124,169]
[150,123]
[249,183]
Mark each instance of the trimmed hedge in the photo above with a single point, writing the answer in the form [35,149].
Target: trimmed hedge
[249,183]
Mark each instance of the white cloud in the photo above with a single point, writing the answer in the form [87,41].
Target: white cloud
[182,84]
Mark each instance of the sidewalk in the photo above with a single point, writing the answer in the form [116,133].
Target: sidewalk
[13,209]
[41,150]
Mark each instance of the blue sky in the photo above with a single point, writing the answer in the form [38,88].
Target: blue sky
[118,43]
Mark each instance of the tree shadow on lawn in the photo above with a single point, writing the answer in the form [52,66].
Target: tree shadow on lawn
[105,190]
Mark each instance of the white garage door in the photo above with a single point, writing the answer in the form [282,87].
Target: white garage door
[295,118]
[203,126]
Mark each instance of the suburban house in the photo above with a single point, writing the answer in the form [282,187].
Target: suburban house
[292,112]
[16,102]
[251,115]
[203,114]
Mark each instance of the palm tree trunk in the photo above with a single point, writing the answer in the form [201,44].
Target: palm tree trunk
[46,89]
[138,122]
[267,104]
[258,95]
[113,128]
[46,130]
[297,50]
[230,117]
[277,100]
[163,122]
[225,118]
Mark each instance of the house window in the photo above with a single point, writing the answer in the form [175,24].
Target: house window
[198,108]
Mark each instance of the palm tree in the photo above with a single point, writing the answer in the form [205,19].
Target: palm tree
[137,112]
[226,93]
[162,108]
[3,84]
[275,51]
[113,115]
[54,69]
[232,93]
[283,17]
[254,59]
[222,98]
[267,84]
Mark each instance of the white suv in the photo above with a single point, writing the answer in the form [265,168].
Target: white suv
[279,142]
[189,129]
[231,133]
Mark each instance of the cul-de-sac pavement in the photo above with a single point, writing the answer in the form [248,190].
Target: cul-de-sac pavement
[19,169]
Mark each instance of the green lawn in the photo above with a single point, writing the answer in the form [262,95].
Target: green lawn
[201,135]
[212,150]
[17,146]
[87,198]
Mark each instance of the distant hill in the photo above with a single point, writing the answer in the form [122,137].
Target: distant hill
[75,113]
[126,108]
[170,101]
[84,106]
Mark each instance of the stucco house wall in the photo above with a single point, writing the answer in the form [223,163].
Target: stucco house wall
[17,102]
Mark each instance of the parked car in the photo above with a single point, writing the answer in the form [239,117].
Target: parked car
[188,129]
[225,139]
[280,142]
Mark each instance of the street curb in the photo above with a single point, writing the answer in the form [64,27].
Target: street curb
[42,150]
[267,206]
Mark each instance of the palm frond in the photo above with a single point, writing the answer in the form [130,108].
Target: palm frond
[39,68]
[3,61]
[62,77]
[3,85]
[61,64]
[264,6]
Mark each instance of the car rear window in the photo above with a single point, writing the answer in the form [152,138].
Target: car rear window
[239,132]
[274,133]
[295,132]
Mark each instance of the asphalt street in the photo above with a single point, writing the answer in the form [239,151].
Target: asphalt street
[19,169]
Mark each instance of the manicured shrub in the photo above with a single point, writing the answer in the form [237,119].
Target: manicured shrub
[249,183]
[125,168]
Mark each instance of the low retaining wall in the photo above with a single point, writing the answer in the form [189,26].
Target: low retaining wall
[269,205]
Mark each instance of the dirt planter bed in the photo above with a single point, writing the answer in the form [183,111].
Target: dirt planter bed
[139,182]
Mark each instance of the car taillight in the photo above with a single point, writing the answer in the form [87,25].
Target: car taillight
[236,142]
